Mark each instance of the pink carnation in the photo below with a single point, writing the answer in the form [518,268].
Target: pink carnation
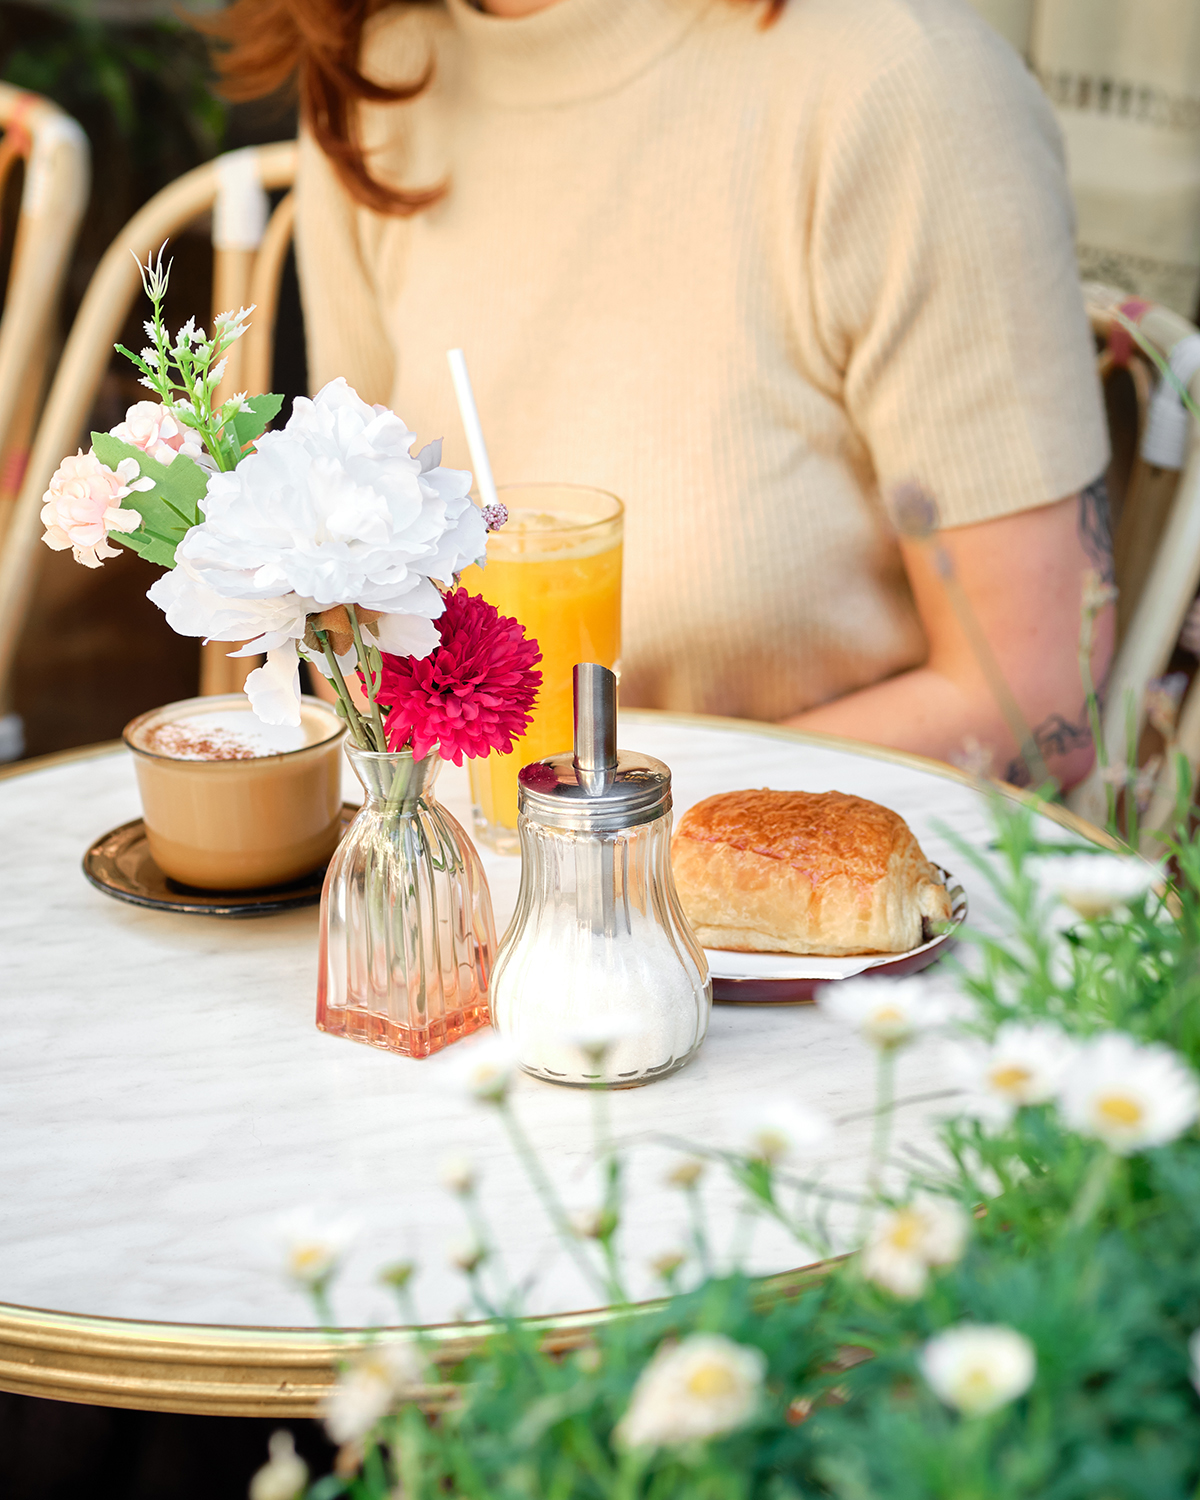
[148,425]
[81,506]
[472,693]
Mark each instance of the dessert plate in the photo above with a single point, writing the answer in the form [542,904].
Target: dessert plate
[120,865]
[791,979]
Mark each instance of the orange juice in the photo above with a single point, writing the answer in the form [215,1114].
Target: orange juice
[556,567]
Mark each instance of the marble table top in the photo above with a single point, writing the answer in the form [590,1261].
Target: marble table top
[166,1100]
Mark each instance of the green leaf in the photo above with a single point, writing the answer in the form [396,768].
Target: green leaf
[168,511]
[245,426]
[152,548]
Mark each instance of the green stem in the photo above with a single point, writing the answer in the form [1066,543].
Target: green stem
[353,717]
[550,1202]
[1093,1190]
[884,1093]
[368,678]
[1092,699]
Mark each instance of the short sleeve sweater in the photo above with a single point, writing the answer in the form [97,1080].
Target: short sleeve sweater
[746,279]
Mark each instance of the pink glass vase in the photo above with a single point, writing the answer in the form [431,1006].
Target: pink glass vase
[407,936]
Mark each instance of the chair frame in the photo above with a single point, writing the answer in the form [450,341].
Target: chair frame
[106,304]
[1162,603]
[57,163]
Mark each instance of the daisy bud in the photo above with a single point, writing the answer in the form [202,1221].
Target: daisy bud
[284,1474]
[458,1175]
[686,1173]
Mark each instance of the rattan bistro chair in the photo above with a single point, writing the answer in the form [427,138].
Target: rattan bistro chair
[1157,536]
[51,150]
[249,247]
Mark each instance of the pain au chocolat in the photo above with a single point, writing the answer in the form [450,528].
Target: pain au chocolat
[804,872]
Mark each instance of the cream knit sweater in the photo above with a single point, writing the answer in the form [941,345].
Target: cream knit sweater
[746,279]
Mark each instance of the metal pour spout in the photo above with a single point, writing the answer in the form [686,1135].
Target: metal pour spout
[595,690]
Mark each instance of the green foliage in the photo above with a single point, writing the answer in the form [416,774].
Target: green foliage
[248,425]
[1092,1256]
[168,510]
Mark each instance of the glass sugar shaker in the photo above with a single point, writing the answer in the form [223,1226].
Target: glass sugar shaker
[599,978]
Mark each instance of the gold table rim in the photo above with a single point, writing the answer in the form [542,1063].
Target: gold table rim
[241,1370]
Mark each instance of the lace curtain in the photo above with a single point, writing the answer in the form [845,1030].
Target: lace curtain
[1124,78]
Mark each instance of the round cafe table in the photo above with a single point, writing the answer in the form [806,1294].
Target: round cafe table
[167,1101]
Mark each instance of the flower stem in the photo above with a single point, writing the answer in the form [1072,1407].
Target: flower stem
[353,718]
[884,1092]
[545,1191]
[368,678]
[1093,1190]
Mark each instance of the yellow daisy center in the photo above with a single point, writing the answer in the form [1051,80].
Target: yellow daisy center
[1011,1079]
[905,1231]
[710,1381]
[1119,1109]
[309,1257]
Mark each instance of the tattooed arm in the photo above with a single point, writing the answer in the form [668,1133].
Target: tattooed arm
[1023,575]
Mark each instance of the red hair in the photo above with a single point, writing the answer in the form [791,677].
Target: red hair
[268,43]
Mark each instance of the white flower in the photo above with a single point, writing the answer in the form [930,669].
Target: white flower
[1023,1064]
[887,1012]
[331,510]
[458,1174]
[1129,1094]
[148,425]
[907,1241]
[979,1367]
[486,1069]
[775,1130]
[467,1254]
[370,1385]
[703,1387]
[1094,885]
[81,506]
[314,1247]
[284,1474]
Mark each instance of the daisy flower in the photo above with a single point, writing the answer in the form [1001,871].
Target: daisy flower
[700,1388]
[978,1367]
[1129,1094]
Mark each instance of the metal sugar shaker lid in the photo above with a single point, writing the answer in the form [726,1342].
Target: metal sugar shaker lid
[598,788]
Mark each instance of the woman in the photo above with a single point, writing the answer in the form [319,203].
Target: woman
[750,266]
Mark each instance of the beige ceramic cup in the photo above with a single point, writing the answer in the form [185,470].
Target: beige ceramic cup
[235,825]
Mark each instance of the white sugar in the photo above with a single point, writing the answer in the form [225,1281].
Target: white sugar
[551,987]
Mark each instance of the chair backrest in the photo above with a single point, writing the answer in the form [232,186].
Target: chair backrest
[249,245]
[1157,543]
[54,152]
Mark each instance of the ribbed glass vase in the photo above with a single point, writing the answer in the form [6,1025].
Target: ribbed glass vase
[407,935]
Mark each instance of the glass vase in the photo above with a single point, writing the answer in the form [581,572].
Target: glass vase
[407,935]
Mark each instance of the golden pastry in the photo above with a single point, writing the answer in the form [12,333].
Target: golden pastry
[804,872]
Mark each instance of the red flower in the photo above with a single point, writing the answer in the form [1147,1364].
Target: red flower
[472,693]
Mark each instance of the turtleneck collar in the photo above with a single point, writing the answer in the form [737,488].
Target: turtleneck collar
[573,49]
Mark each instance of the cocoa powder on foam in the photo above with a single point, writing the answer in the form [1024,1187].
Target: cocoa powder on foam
[185,744]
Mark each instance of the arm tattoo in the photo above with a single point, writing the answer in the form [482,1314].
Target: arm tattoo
[1054,737]
[1095,528]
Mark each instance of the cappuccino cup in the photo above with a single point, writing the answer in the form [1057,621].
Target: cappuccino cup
[231,803]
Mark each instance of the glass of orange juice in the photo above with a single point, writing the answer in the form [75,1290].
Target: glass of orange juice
[555,566]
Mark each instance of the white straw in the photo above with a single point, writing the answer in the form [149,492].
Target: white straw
[471,424]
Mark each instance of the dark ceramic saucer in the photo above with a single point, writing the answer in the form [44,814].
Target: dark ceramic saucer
[120,865]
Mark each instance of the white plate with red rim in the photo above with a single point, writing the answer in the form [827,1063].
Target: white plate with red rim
[793,979]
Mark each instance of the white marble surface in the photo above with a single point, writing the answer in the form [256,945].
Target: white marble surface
[165,1096]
